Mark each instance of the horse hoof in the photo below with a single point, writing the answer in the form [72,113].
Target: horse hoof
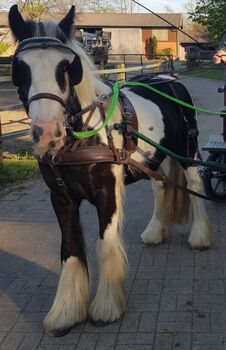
[100,323]
[60,332]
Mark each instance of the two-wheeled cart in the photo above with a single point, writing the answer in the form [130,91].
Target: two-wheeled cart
[215,181]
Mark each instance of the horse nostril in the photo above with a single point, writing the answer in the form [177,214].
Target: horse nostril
[36,133]
[52,144]
[58,132]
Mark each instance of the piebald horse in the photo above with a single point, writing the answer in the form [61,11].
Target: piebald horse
[48,66]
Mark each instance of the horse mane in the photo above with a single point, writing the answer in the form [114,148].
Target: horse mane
[91,85]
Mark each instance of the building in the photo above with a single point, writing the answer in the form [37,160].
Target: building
[130,32]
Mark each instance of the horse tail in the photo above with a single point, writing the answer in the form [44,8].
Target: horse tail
[176,202]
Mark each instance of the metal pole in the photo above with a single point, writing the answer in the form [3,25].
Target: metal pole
[1,150]
[224,118]
[141,63]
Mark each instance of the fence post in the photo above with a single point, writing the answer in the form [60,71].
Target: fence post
[122,75]
[1,150]
[141,63]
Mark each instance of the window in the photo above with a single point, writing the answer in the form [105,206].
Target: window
[160,34]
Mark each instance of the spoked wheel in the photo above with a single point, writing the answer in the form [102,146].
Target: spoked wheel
[215,181]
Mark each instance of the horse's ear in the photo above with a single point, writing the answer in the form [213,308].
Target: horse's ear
[17,23]
[75,71]
[66,23]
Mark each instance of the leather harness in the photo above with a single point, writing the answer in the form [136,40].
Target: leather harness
[74,153]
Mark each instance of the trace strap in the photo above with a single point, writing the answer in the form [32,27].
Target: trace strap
[169,97]
[117,86]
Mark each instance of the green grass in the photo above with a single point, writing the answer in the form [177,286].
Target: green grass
[210,72]
[5,70]
[17,169]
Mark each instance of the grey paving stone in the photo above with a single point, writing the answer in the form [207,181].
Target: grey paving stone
[55,347]
[148,322]
[12,341]
[201,322]
[163,341]
[130,322]
[155,286]
[209,338]
[7,320]
[174,327]
[182,341]
[30,341]
[138,302]
[2,336]
[168,303]
[133,347]
[140,287]
[106,341]
[87,341]
[111,328]
[69,339]
[135,338]
[218,321]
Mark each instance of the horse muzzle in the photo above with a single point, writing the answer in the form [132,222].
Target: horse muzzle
[47,137]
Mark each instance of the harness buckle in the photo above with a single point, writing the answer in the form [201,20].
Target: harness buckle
[54,160]
[193,132]
[103,98]
[60,181]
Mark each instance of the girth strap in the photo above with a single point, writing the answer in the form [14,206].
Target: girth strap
[103,154]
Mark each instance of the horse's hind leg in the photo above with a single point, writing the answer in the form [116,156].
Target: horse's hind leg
[70,303]
[109,302]
[201,234]
[158,228]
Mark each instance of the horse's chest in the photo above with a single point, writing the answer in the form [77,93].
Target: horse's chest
[89,181]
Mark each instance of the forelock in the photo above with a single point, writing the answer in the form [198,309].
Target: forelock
[50,29]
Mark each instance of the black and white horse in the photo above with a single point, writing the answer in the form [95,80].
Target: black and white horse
[55,70]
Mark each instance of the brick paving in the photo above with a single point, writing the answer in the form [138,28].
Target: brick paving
[175,296]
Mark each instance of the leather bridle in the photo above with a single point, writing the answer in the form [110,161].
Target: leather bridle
[41,43]
[46,95]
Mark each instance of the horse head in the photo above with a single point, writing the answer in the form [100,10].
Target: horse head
[45,69]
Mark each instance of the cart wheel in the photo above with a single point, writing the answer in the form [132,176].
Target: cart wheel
[215,181]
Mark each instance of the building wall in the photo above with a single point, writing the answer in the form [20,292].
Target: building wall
[125,41]
[170,43]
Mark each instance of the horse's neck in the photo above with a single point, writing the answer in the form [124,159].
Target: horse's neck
[88,91]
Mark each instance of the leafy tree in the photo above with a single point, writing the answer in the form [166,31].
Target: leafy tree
[212,14]
[35,8]
[154,44]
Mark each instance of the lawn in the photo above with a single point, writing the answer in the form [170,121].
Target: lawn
[5,69]
[215,72]
[15,169]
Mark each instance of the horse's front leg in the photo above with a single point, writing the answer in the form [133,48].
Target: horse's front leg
[70,303]
[109,302]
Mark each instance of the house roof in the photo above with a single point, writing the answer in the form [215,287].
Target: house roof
[126,20]
[201,37]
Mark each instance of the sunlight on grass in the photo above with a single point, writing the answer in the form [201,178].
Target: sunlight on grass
[16,169]
[210,72]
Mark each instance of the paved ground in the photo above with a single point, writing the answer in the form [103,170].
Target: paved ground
[176,297]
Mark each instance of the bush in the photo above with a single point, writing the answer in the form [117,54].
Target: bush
[3,47]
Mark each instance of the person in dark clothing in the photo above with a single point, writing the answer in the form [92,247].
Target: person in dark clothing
[220,55]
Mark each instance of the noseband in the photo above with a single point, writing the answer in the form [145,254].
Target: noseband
[47,96]
[41,43]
